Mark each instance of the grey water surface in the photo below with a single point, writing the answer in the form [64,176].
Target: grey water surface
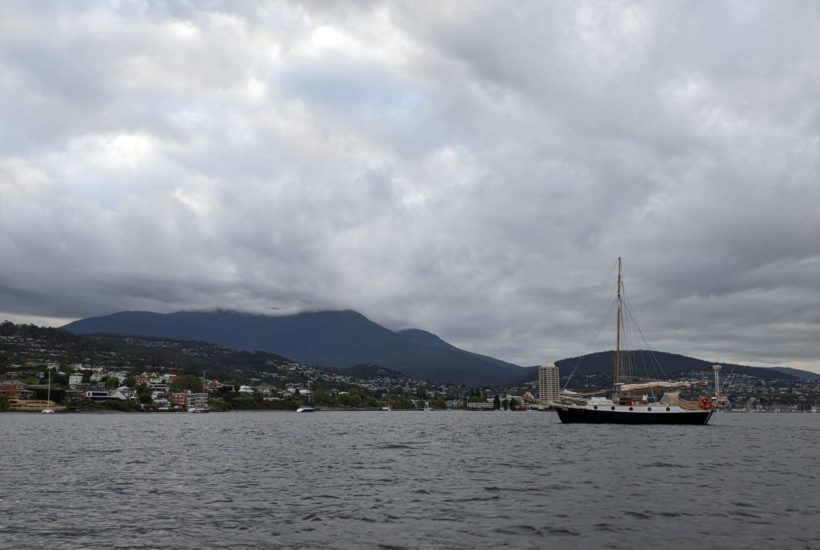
[405,480]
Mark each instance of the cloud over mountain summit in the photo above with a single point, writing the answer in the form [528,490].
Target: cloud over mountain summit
[469,168]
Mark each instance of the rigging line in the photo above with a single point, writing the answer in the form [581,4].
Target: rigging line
[580,358]
[587,306]
[595,295]
[633,352]
[641,354]
[627,358]
[728,383]
[631,315]
[643,359]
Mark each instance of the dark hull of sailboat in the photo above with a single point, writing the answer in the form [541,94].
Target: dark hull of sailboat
[586,416]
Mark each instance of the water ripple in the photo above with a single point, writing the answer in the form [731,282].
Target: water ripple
[404,480]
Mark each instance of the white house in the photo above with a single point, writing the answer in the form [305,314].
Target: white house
[120,393]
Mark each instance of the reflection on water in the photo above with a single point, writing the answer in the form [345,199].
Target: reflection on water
[405,479]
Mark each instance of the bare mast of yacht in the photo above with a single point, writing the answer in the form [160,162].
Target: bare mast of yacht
[48,409]
[617,377]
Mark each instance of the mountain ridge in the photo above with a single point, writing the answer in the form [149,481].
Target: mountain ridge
[345,338]
[338,339]
[595,370]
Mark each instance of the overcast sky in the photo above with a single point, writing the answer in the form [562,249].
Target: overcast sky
[469,168]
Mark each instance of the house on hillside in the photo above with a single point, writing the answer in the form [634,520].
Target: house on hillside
[178,400]
[14,390]
[97,395]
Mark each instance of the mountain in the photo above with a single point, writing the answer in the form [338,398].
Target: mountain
[33,345]
[802,374]
[325,338]
[369,372]
[431,355]
[594,371]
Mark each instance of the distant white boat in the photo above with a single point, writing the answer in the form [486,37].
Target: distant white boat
[307,407]
[48,409]
[203,407]
[387,408]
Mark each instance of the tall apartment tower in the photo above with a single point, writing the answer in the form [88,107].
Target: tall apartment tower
[549,388]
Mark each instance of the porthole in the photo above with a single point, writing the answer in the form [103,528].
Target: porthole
[630,408]
[613,408]
[595,407]
[649,408]
[668,409]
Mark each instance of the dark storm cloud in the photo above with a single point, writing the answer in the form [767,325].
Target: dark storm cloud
[469,168]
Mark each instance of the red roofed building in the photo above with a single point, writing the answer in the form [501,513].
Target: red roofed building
[14,390]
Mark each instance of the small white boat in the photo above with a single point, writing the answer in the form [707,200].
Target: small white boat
[387,408]
[307,407]
[201,405]
[48,409]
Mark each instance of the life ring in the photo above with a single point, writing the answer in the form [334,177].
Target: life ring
[705,402]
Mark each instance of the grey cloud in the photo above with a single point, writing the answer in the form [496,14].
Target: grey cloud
[471,169]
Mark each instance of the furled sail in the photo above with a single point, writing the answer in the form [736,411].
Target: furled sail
[654,385]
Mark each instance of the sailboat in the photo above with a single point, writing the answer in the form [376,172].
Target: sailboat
[48,409]
[307,407]
[199,404]
[628,402]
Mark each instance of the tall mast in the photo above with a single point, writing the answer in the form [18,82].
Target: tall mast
[617,378]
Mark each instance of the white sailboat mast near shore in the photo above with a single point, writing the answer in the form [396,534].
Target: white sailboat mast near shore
[48,409]
[307,407]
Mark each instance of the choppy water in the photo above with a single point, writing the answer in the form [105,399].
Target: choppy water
[405,480]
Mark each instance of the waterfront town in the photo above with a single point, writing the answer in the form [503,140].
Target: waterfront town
[42,367]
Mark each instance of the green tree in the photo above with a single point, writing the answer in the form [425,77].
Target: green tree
[144,393]
[117,405]
[438,403]
[187,382]
[4,403]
